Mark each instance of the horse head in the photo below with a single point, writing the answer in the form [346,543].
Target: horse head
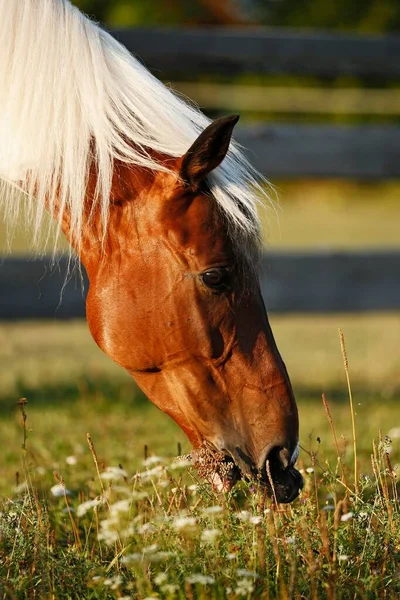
[175,299]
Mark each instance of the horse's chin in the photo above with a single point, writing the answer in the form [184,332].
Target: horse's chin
[224,482]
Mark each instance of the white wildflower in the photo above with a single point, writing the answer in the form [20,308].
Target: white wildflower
[346,516]
[246,573]
[193,488]
[158,557]
[170,589]
[213,510]
[180,464]
[202,579]
[59,490]
[85,506]
[22,487]
[244,515]
[129,531]
[134,557]
[309,470]
[113,582]
[114,473]
[138,495]
[267,511]
[157,471]
[122,489]
[343,558]
[231,556]
[153,460]
[290,540]
[328,507]
[394,433]
[160,578]
[185,524]
[71,460]
[210,535]
[256,520]
[146,528]
[108,533]
[150,549]
[120,506]
[244,587]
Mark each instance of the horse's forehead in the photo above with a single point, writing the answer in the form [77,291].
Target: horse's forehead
[195,225]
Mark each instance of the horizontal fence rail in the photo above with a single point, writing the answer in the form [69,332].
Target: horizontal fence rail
[290,282]
[232,51]
[286,150]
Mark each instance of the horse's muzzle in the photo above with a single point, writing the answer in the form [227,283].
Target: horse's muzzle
[283,481]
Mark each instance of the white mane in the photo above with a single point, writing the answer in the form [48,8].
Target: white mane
[71,95]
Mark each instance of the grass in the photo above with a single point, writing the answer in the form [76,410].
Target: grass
[147,527]
[164,533]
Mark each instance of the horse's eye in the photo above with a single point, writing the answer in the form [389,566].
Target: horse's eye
[216,279]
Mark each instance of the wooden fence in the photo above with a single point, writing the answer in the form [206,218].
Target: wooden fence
[323,281]
[290,282]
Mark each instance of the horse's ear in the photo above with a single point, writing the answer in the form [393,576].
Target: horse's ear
[208,151]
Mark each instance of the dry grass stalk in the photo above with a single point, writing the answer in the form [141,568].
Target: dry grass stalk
[96,462]
[271,482]
[330,421]
[393,477]
[353,423]
[60,481]
[22,402]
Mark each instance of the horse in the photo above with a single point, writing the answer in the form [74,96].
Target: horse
[160,206]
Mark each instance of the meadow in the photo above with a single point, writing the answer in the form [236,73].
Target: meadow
[116,515]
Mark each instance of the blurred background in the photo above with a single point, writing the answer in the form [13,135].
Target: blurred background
[316,83]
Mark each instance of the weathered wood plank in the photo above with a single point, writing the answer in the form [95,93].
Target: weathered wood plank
[331,281]
[286,150]
[34,289]
[290,282]
[231,51]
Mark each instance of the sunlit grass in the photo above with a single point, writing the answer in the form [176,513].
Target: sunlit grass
[136,523]
[154,530]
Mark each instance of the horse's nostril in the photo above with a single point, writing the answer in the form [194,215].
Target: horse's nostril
[284,457]
[279,473]
[277,460]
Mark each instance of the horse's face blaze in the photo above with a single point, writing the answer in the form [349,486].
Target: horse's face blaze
[169,303]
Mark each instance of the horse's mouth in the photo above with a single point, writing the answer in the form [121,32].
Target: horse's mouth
[223,471]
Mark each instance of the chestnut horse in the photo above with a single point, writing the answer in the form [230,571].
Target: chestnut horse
[161,208]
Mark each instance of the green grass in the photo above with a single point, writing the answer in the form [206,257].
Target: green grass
[165,534]
[136,544]
[303,551]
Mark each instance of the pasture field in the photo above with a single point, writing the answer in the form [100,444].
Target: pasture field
[119,526]
[131,522]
